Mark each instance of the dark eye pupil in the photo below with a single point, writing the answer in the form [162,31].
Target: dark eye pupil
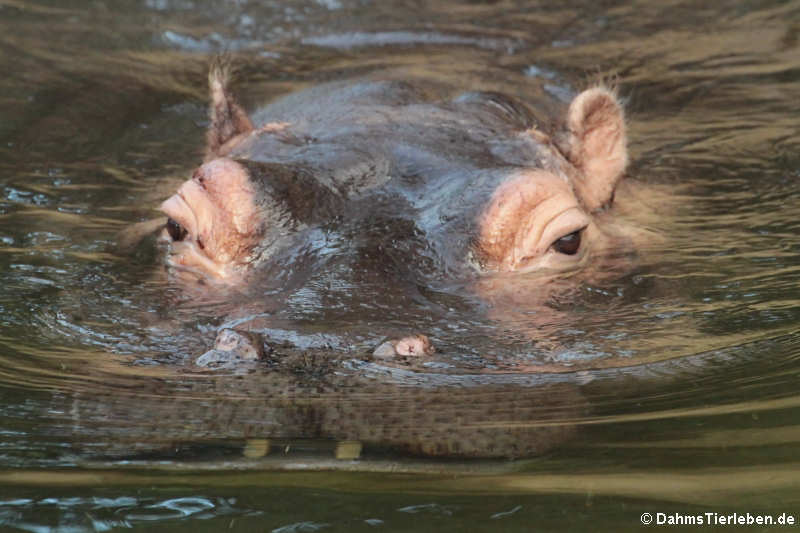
[175,230]
[568,244]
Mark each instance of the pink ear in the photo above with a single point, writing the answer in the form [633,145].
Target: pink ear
[228,119]
[597,144]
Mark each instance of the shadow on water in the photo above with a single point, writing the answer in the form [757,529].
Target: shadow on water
[671,388]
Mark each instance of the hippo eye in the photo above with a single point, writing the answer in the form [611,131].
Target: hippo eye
[175,230]
[568,244]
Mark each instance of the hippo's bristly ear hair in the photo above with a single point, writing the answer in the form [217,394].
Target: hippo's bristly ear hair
[596,145]
[228,119]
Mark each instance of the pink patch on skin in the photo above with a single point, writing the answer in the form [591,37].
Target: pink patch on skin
[414,345]
[233,142]
[525,215]
[216,208]
[272,127]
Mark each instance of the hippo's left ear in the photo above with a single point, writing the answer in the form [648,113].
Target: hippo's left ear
[228,119]
[597,145]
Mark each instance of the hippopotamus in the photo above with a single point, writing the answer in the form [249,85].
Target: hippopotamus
[392,179]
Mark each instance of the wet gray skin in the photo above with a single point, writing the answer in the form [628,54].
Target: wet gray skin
[395,185]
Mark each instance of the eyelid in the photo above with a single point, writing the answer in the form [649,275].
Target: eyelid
[564,223]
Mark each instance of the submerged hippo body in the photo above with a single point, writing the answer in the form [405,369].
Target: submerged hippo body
[402,183]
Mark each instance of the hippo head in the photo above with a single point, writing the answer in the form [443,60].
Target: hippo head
[225,220]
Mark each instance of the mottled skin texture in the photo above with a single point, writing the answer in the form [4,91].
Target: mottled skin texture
[307,396]
[473,185]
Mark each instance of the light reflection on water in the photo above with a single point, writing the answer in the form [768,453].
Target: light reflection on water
[105,514]
[104,116]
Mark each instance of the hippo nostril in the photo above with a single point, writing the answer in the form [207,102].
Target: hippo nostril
[175,230]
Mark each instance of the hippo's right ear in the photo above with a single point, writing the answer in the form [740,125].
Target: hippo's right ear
[596,144]
[228,119]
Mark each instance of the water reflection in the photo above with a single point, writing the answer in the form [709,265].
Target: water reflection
[61,514]
[291,410]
